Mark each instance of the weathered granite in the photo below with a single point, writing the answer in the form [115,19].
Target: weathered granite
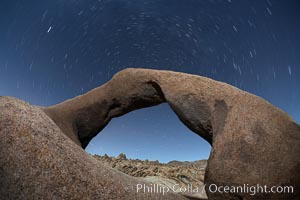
[37,161]
[253,142]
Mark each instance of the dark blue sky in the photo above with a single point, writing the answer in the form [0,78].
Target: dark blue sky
[52,50]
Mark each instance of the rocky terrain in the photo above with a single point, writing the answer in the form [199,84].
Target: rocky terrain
[185,174]
[42,148]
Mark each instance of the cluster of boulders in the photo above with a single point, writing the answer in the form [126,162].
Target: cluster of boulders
[183,173]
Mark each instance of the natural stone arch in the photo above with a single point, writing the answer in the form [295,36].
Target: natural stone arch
[85,116]
[252,141]
[243,129]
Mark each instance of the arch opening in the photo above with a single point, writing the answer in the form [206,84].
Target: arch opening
[154,133]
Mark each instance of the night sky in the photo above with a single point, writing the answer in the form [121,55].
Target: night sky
[52,50]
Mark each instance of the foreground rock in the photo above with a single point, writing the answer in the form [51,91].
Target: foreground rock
[252,141]
[186,178]
[37,161]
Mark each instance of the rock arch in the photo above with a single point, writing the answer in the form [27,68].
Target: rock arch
[252,141]
[190,97]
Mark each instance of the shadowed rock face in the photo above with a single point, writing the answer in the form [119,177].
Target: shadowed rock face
[252,141]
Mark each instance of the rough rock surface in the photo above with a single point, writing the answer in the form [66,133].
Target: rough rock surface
[175,174]
[252,141]
[37,161]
